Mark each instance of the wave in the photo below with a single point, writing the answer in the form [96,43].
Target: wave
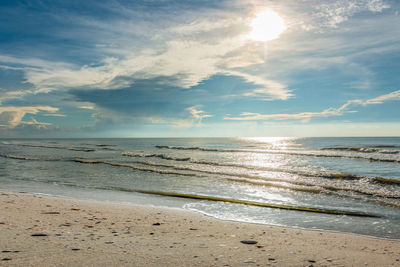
[115,164]
[104,145]
[328,175]
[18,157]
[253,203]
[199,148]
[266,181]
[292,153]
[364,149]
[232,176]
[82,149]
[153,155]
[386,146]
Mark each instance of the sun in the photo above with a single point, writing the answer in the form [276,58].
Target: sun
[266,26]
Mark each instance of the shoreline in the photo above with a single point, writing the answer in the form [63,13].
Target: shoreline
[42,230]
[190,211]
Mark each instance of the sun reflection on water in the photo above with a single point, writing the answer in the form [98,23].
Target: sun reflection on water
[271,142]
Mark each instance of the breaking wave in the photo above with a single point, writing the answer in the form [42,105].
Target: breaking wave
[153,155]
[277,152]
[365,149]
[239,177]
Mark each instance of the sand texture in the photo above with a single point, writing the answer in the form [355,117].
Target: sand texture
[48,231]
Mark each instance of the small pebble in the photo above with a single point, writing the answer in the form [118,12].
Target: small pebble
[249,242]
[39,234]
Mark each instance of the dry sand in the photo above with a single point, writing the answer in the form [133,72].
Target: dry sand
[88,233]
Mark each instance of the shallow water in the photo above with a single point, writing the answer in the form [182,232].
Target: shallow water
[335,184]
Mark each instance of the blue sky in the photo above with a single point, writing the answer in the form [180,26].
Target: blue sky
[170,68]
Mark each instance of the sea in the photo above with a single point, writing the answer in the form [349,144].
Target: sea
[348,185]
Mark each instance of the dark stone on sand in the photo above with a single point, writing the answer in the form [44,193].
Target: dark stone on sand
[312,261]
[9,251]
[2,223]
[39,234]
[75,249]
[151,233]
[5,259]
[108,242]
[271,259]
[157,223]
[51,212]
[193,229]
[249,242]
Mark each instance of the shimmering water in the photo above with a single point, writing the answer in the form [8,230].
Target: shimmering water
[335,184]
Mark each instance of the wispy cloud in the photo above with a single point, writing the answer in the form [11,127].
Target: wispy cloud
[198,114]
[90,107]
[268,90]
[307,116]
[11,116]
[194,51]
[35,124]
[331,14]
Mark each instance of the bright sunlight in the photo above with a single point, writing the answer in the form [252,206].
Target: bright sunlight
[267,25]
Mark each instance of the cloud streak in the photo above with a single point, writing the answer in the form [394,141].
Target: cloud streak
[193,51]
[307,116]
[11,116]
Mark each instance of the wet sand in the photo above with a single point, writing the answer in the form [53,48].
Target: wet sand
[39,230]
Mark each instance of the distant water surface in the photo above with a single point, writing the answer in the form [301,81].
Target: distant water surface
[334,184]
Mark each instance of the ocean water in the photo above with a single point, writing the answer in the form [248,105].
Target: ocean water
[334,184]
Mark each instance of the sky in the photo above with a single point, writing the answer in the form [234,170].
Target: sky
[178,68]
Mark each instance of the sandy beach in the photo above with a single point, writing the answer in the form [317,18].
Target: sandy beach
[39,230]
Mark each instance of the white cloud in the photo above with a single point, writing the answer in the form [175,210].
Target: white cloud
[35,123]
[198,114]
[333,13]
[380,99]
[208,42]
[306,116]
[268,90]
[11,116]
[193,52]
[90,107]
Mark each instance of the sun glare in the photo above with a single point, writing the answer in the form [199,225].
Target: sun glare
[267,25]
